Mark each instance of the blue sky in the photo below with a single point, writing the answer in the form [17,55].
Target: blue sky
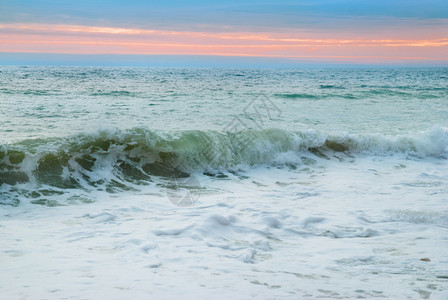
[233,13]
[419,21]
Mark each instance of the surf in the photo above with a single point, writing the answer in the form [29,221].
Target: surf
[112,158]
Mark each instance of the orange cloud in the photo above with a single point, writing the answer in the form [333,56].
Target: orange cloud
[47,38]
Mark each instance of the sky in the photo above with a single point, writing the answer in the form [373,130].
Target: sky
[224,33]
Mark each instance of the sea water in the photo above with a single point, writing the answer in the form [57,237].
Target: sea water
[278,184]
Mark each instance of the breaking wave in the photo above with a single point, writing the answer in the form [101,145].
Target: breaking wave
[109,159]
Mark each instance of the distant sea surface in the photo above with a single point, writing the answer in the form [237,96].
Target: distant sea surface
[157,182]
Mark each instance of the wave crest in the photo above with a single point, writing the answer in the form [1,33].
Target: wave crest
[109,159]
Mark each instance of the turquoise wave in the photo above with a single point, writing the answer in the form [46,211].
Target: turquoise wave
[110,159]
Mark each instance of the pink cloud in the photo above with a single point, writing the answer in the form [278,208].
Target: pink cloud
[47,38]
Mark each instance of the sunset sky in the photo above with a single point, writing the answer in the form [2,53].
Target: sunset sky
[229,33]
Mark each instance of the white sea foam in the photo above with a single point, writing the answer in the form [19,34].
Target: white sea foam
[342,195]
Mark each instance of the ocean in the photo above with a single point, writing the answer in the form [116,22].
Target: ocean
[160,183]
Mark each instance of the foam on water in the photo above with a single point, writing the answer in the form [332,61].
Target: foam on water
[133,182]
[117,160]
